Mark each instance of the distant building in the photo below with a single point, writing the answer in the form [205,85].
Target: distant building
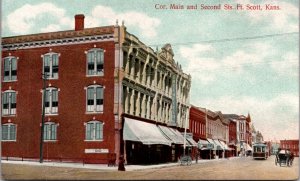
[274,147]
[292,145]
[217,132]
[232,137]
[197,126]
[243,132]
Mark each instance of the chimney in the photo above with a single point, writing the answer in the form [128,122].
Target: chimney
[79,22]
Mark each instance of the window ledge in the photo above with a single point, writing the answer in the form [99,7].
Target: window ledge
[9,140]
[51,114]
[9,80]
[100,112]
[101,75]
[49,141]
[56,78]
[93,140]
[9,115]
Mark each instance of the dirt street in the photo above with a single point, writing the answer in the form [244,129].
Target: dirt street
[236,169]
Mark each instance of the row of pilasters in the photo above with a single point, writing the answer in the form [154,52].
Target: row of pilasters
[147,74]
[156,76]
[142,105]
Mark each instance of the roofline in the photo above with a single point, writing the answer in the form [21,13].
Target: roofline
[57,35]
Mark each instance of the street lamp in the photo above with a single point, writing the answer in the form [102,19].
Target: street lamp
[44,77]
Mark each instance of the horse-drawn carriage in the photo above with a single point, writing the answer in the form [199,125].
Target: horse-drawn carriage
[284,157]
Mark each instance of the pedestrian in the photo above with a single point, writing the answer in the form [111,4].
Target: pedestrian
[197,155]
[121,166]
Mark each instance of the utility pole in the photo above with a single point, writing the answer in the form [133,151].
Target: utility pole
[184,140]
[44,77]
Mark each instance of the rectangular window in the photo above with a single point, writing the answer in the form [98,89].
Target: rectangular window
[10,69]
[99,99]
[88,132]
[47,65]
[9,103]
[9,132]
[50,65]
[50,131]
[51,101]
[5,134]
[12,132]
[91,64]
[94,130]
[95,99]
[54,65]
[90,99]
[95,62]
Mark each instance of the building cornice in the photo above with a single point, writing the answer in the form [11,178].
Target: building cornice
[58,38]
[58,42]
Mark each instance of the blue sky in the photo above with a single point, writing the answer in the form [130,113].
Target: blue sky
[256,75]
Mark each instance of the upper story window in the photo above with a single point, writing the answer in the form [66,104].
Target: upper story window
[94,98]
[51,101]
[95,62]
[50,65]
[8,132]
[9,102]
[94,131]
[50,131]
[10,69]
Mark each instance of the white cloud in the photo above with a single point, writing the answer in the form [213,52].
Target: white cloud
[51,28]
[204,66]
[275,118]
[105,15]
[28,17]
[285,19]
[288,65]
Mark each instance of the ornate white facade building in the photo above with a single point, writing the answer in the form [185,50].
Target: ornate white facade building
[154,86]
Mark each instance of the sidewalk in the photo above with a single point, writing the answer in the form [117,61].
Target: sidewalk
[104,167]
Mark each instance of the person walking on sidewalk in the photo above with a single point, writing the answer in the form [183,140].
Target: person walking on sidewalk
[197,156]
[121,166]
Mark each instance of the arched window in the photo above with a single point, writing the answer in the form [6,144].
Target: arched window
[10,69]
[50,131]
[94,96]
[8,132]
[50,65]
[95,62]
[9,102]
[94,131]
[51,101]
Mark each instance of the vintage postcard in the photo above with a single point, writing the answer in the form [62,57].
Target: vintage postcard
[150,90]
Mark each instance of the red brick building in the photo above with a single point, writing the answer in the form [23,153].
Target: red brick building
[77,99]
[197,123]
[293,145]
[232,137]
[101,84]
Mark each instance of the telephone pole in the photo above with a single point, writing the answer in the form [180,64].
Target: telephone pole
[44,77]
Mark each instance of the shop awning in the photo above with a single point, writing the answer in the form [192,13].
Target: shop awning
[147,133]
[225,145]
[204,145]
[191,141]
[248,147]
[219,145]
[214,145]
[170,133]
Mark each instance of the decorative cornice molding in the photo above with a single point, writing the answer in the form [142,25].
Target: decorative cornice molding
[58,42]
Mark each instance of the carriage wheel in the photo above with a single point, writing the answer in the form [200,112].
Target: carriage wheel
[287,163]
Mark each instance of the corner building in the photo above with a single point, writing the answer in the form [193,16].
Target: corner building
[96,78]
